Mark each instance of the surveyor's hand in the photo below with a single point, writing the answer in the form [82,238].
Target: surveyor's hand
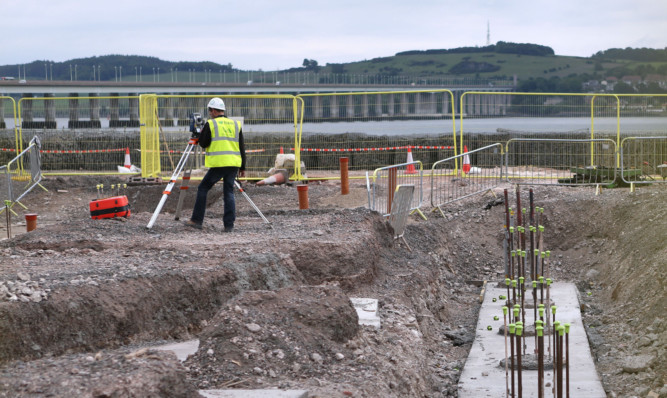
[241,173]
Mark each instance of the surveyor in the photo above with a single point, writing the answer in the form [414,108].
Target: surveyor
[222,141]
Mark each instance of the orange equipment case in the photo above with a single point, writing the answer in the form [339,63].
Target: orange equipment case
[116,206]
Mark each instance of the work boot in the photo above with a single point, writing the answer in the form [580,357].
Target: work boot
[228,229]
[193,224]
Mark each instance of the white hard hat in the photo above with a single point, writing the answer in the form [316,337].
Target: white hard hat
[216,103]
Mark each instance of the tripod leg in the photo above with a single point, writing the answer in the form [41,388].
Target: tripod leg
[185,185]
[252,203]
[172,181]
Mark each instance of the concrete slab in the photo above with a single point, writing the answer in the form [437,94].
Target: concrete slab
[182,349]
[367,309]
[482,374]
[254,393]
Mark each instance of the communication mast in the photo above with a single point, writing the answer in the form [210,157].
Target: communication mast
[488,33]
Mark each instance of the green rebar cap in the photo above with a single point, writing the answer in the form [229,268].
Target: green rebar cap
[532,229]
[513,282]
[519,329]
[521,279]
[560,329]
[540,311]
[549,281]
[507,281]
[543,254]
[495,318]
[523,253]
[541,278]
[511,230]
[516,311]
[548,253]
[505,310]
[511,328]
[540,331]
[489,327]
[567,328]
[502,297]
[523,210]
[556,325]
[493,299]
[539,322]
[534,284]
[541,228]
[553,309]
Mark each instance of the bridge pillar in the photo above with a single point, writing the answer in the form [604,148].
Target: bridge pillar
[350,106]
[333,105]
[390,105]
[316,107]
[365,112]
[134,111]
[2,114]
[49,112]
[183,119]
[94,111]
[419,104]
[404,104]
[73,121]
[26,110]
[378,105]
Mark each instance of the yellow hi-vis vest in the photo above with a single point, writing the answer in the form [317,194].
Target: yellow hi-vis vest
[224,149]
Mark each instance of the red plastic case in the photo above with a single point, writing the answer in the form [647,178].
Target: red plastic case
[116,206]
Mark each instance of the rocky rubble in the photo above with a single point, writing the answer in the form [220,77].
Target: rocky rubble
[23,289]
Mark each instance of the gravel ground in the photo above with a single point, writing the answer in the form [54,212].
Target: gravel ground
[81,299]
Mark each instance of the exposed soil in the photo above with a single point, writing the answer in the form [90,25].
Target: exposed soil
[82,300]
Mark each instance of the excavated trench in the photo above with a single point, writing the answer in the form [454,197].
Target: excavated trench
[112,287]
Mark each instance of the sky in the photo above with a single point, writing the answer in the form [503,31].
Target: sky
[280,34]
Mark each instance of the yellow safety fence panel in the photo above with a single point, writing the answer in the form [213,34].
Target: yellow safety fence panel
[490,117]
[82,134]
[270,125]
[9,133]
[150,136]
[376,129]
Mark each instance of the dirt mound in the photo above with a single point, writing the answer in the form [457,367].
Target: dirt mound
[273,333]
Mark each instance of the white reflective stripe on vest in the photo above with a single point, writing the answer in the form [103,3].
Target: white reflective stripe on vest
[223,153]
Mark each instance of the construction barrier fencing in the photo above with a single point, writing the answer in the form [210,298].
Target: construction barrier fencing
[480,170]
[269,125]
[534,161]
[91,134]
[9,141]
[382,186]
[375,129]
[21,174]
[644,160]
[82,135]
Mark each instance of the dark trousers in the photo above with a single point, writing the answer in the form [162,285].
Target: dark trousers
[213,175]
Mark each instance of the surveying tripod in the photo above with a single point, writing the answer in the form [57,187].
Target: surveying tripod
[196,125]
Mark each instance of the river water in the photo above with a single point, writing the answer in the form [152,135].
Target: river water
[640,125]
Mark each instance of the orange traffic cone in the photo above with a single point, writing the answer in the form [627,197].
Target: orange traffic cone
[281,150]
[410,169]
[466,160]
[278,178]
[128,163]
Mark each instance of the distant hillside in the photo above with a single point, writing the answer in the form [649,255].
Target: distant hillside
[535,67]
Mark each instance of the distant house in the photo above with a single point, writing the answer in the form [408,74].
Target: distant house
[632,80]
[660,80]
[610,83]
